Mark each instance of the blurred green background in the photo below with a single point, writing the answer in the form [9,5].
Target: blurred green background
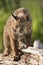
[35,7]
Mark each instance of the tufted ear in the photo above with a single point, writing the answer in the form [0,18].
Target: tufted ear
[27,16]
[15,16]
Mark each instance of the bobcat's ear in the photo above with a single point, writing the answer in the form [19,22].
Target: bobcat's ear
[27,16]
[15,17]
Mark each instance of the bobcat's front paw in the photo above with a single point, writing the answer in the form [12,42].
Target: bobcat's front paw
[16,58]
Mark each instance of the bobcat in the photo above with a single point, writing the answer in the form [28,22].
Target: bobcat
[17,32]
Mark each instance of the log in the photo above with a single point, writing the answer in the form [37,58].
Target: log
[31,56]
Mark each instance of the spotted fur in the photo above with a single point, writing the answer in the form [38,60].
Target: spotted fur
[17,32]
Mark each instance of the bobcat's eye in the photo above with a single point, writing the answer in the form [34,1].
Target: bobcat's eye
[16,26]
